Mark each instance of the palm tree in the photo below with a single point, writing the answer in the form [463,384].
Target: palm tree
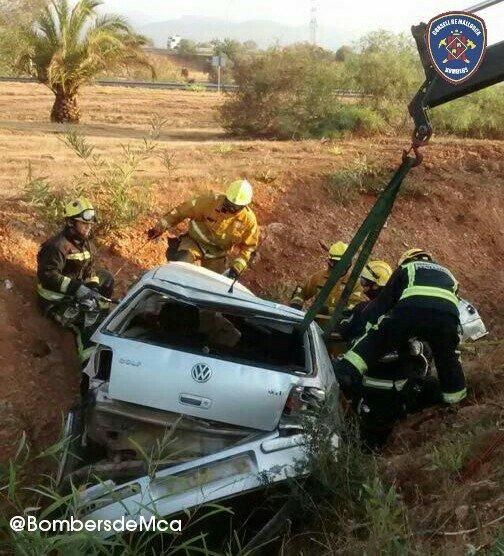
[68,47]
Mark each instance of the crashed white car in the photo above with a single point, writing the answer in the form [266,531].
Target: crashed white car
[227,374]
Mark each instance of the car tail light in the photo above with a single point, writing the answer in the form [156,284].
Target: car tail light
[303,399]
[294,403]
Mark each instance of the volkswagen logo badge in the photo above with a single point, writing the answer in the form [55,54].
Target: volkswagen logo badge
[201,372]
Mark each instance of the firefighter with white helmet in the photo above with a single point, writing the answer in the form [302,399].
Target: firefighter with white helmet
[218,224]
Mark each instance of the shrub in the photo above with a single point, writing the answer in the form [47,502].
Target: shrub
[47,201]
[478,115]
[187,47]
[113,185]
[356,513]
[234,51]
[358,176]
[451,454]
[284,93]
[351,118]
[290,93]
[387,66]
[195,88]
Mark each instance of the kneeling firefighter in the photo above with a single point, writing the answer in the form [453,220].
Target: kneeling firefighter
[69,290]
[218,224]
[315,283]
[373,279]
[419,301]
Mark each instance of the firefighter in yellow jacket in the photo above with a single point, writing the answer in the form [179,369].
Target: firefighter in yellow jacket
[218,224]
[311,288]
[316,282]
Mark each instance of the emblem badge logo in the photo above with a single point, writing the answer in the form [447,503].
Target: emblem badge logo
[456,42]
[201,372]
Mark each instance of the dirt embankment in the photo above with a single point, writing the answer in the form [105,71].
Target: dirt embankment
[457,213]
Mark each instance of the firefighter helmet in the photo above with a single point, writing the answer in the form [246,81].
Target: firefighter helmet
[412,254]
[240,193]
[377,272]
[80,209]
[337,250]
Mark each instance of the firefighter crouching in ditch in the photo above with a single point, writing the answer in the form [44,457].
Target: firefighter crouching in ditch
[69,290]
[419,301]
[218,224]
[316,282]
[373,279]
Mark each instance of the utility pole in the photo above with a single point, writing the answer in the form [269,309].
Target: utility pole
[313,23]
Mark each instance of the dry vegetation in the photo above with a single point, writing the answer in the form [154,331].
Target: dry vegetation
[455,208]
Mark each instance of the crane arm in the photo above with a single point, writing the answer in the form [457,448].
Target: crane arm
[436,91]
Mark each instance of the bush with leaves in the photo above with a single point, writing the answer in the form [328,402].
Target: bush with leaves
[15,15]
[234,51]
[386,66]
[361,175]
[112,185]
[478,115]
[285,93]
[354,511]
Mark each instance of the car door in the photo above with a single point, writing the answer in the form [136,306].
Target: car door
[198,385]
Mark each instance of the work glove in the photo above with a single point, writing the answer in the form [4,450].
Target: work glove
[88,298]
[154,233]
[231,273]
[83,292]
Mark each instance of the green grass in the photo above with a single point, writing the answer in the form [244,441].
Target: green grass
[20,497]
[353,510]
[451,454]
[361,175]
[478,115]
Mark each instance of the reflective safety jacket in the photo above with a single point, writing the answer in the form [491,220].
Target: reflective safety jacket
[64,263]
[217,232]
[423,284]
[316,282]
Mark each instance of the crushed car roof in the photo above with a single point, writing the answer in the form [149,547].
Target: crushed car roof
[201,284]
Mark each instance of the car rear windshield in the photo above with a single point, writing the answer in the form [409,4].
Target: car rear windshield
[230,333]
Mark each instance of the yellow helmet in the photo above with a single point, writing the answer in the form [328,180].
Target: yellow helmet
[239,193]
[414,253]
[377,272]
[80,209]
[337,250]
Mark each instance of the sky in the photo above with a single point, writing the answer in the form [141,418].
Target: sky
[355,17]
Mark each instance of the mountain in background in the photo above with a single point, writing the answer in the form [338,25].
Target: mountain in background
[264,33]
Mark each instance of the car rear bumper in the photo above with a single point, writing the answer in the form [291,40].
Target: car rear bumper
[225,474]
